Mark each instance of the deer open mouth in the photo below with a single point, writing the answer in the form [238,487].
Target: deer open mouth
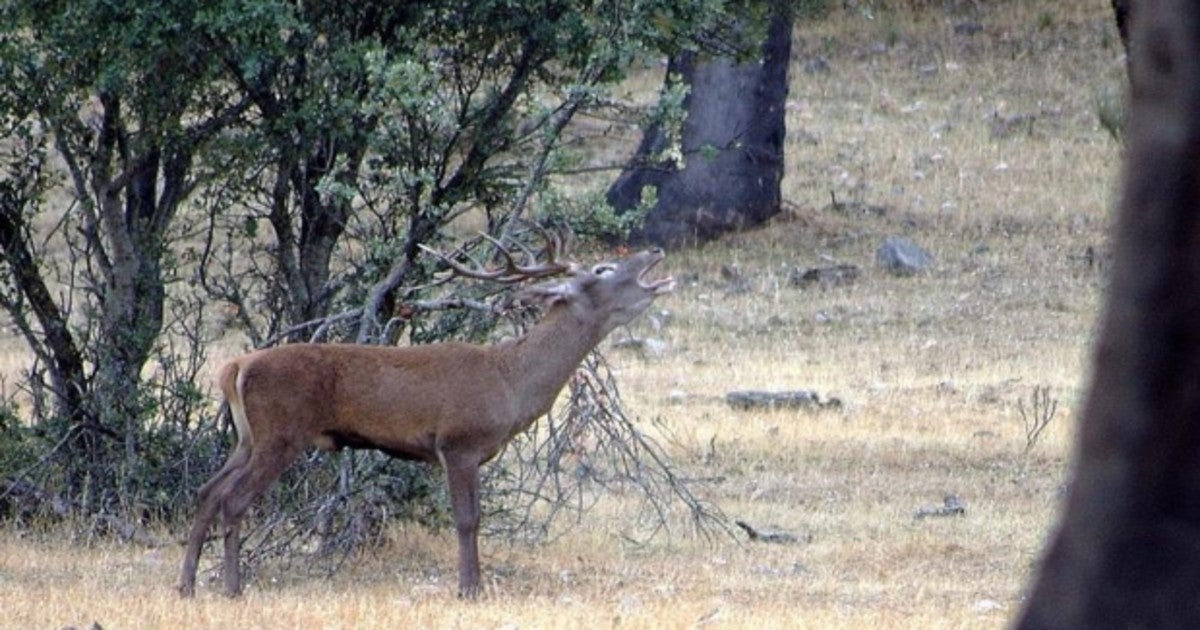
[662,285]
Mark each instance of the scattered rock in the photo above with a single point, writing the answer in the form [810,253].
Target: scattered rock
[951,506]
[901,256]
[969,28]
[986,606]
[856,208]
[827,277]
[767,535]
[794,399]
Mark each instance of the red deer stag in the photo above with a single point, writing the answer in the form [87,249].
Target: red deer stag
[454,403]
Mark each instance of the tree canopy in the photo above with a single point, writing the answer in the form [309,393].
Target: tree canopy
[173,171]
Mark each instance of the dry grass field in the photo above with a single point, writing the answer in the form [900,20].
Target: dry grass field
[984,148]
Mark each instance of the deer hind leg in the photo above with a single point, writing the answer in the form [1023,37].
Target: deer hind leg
[209,502]
[266,464]
[462,476]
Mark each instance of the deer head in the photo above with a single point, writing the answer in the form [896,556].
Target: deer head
[611,293]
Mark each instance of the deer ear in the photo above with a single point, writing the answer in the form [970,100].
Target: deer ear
[549,293]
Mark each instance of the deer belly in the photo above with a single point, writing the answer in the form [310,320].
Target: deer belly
[420,449]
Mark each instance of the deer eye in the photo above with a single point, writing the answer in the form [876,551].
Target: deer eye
[603,269]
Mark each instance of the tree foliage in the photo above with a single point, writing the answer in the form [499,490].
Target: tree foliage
[86,241]
[176,171]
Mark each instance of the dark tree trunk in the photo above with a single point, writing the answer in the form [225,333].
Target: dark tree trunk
[1121,13]
[732,142]
[1127,552]
[626,193]
[54,343]
[50,338]
[138,194]
[304,255]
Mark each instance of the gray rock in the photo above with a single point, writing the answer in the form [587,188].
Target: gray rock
[759,534]
[856,208]
[951,506]
[902,257]
[794,399]
[827,277]
[968,28]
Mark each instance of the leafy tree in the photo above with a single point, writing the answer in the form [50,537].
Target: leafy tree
[174,169]
[86,78]
[390,123]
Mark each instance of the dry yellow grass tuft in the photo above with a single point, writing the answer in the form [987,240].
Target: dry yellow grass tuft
[983,148]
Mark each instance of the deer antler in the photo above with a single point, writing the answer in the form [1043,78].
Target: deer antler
[512,272]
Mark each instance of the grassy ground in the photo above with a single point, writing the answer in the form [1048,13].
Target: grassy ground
[986,150]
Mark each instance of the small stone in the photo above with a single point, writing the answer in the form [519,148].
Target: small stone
[793,399]
[951,506]
[901,256]
[826,277]
[767,535]
[986,606]
[968,28]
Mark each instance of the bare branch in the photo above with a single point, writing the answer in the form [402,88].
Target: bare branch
[592,445]
[1041,412]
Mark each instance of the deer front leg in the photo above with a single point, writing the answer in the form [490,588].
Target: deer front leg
[462,475]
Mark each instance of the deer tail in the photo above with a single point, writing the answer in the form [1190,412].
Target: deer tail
[229,380]
[232,382]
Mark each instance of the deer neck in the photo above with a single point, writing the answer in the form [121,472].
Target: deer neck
[545,358]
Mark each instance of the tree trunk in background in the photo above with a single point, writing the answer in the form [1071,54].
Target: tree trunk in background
[732,141]
[51,338]
[1121,12]
[1127,551]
